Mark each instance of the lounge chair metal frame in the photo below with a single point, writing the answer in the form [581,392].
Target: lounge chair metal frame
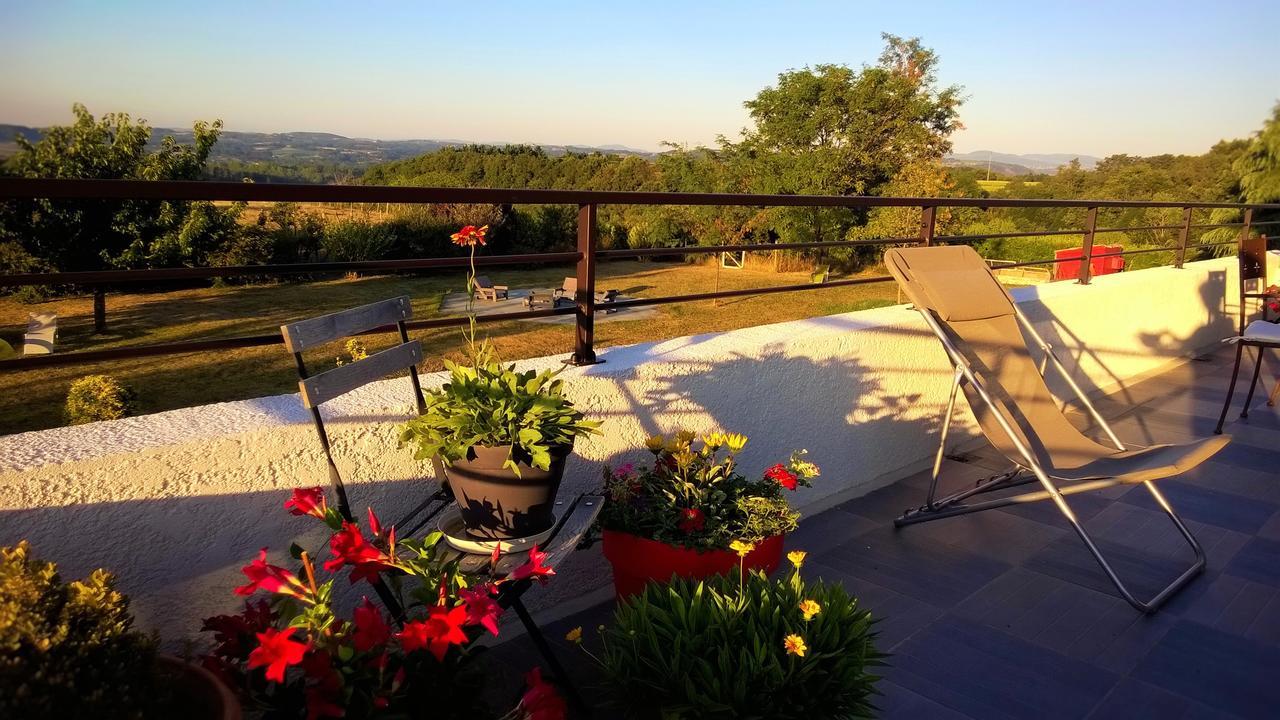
[1028,469]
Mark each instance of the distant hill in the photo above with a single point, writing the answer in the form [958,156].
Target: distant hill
[1010,164]
[302,148]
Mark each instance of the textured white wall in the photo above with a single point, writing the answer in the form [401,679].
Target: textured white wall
[176,502]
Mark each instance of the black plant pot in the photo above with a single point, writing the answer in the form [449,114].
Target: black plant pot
[498,505]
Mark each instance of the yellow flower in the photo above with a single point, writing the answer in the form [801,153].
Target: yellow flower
[714,440]
[741,547]
[797,557]
[794,645]
[809,608]
[684,458]
[684,437]
[802,467]
[655,443]
[735,442]
[575,635]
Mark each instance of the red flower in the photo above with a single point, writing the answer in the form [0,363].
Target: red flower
[782,475]
[277,651]
[234,633]
[482,609]
[533,568]
[307,501]
[442,628]
[371,629]
[470,235]
[375,527]
[321,705]
[541,701]
[272,578]
[692,520]
[350,548]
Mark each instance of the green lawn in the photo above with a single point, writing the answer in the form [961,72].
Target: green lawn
[167,382]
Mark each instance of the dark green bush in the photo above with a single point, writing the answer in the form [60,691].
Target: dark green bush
[98,397]
[354,240]
[716,649]
[68,650]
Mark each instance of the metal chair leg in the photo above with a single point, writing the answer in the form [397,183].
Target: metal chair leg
[557,670]
[1231,390]
[1253,384]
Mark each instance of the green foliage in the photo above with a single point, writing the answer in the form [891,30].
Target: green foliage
[490,404]
[715,649]
[696,498]
[68,649]
[93,234]
[357,239]
[98,397]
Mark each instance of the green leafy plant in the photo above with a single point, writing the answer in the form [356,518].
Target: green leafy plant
[98,397]
[68,649]
[746,647]
[694,496]
[489,404]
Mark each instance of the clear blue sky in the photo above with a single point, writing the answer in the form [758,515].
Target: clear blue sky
[1082,77]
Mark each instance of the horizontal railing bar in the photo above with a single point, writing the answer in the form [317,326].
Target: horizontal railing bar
[244,341]
[692,249]
[1139,227]
[1134,252]
[1209,226]
[1265,222]
[994,236]
[97,277]
[1028,263]
[1217,244]
[60,188]
[638,302]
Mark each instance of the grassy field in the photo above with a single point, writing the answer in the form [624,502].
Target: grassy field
[35,398]
[993,185]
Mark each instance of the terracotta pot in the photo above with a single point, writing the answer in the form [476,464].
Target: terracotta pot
[498,505]
[637,561]
[197,694]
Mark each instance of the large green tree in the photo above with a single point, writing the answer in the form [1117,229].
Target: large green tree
[92,234]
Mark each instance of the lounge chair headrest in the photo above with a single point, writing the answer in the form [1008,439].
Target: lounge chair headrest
[953,281]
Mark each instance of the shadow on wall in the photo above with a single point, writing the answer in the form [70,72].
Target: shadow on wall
[179,557]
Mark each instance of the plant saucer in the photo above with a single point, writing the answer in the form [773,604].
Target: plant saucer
[450,523]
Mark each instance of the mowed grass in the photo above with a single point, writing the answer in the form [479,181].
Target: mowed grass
[34,398]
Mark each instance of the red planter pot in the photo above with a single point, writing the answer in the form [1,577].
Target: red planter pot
[636,561]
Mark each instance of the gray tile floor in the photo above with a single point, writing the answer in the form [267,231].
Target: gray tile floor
[1004,614]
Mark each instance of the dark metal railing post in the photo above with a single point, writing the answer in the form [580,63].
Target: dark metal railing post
[928,221]
[1183,235]
[1086,254]
[99,309]
[584,352]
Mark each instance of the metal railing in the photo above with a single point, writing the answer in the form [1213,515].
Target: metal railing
[585,257]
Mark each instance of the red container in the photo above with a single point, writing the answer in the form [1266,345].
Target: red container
[1074,257]
[636,561]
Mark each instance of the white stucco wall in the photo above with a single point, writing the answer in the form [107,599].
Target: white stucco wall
[176,502]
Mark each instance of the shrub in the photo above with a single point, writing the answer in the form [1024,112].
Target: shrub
[696,498]
[98,397]
[68,649]
[747,647]
[353,240]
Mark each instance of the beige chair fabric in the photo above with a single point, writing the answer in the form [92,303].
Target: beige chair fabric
[956,286]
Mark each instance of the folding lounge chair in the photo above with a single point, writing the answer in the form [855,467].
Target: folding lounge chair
[566,293]
[979,327]
[486,290]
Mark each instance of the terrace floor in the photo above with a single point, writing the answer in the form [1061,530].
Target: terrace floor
[1004,614]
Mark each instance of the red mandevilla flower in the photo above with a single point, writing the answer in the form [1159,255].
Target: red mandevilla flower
[277,651]
[371,630]
[442,628]
[470,235]
[782,476]
[533,568]
[541,701]
[307,501]
[272,578]
[350,548]
[692,520]
[482,609]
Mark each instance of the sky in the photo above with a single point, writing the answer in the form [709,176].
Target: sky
[1092,78]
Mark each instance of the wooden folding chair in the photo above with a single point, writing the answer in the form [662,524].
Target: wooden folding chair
[1259,334]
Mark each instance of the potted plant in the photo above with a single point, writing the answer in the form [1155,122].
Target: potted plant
[70,649]
[295,654]
[741,645]
[690,511]
[503,435]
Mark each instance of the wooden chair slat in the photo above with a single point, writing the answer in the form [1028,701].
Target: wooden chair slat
[319,330]
[345,378]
